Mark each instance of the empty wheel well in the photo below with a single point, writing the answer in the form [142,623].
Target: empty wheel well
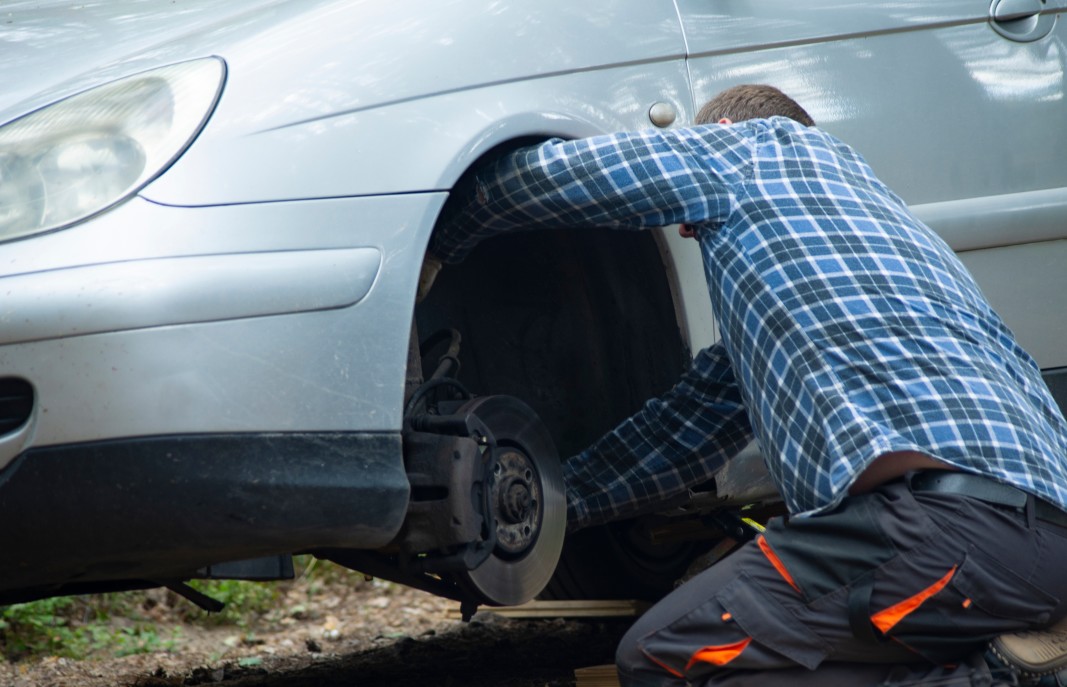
[579,323]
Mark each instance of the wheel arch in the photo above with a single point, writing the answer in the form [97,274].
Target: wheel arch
[581,323]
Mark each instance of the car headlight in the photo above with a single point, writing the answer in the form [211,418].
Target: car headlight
[81,155]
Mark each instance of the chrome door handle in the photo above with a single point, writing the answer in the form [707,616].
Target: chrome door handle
[1021,20]
[1011,10]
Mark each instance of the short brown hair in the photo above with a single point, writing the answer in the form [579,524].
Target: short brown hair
[752,101]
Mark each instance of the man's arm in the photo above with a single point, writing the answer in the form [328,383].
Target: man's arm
[630,180]
[673,443]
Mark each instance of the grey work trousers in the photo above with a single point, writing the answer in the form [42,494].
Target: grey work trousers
[892,587]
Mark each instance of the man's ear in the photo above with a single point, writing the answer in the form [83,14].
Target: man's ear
[726,120]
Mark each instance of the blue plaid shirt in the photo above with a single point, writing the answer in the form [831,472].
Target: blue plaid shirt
[849,329]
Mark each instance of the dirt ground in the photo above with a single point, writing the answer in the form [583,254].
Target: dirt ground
[362,634]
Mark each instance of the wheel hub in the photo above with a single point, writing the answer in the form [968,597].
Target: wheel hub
[518,502]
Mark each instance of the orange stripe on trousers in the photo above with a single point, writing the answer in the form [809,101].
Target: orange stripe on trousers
[885,620]
[718,655]
[663,665]
[776,562]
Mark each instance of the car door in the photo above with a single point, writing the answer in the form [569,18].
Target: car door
[958,105]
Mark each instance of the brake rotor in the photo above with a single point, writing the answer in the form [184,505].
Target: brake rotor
[528,502]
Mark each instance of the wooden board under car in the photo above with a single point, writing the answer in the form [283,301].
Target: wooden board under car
[625,608]
[596,676]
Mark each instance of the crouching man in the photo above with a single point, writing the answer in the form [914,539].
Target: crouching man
[920,455]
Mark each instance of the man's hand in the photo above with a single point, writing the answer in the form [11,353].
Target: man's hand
[431,265]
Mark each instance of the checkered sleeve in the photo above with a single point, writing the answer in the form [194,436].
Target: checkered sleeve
[674,442]
[630,180]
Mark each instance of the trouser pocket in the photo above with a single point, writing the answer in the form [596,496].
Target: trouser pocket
[828,551]
[979,600]
[743,626]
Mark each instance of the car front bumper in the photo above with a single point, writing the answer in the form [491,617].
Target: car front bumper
[155,320]
[148,511]
[206,384]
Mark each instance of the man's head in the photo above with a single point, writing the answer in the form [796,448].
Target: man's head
[751,101]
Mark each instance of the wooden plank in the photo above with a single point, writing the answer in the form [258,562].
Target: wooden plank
[625,608]
[596,676]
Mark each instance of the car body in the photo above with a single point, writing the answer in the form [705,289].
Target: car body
[209,365]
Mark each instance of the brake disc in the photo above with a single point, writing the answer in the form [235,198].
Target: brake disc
[527,500]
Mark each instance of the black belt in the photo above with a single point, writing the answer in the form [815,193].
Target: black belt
[985,489]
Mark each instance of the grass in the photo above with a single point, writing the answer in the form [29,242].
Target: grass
[73,627]
[121,624]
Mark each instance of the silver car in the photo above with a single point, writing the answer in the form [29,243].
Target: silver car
[213,218]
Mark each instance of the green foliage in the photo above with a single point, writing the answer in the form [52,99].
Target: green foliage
[41,627]
[75,627]
[140,639]
[245,601]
